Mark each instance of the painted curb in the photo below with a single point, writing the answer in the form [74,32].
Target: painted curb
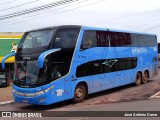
[6,102]
[155,96]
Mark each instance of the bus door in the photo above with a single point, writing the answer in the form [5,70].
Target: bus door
[92,67]
[68,86]
[81,67]
[56,72]
[88,55]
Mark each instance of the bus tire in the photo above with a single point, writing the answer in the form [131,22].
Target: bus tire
[138,79]
[79,93]
[145,77]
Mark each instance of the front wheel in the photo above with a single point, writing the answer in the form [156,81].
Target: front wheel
[79,93]
[138,79]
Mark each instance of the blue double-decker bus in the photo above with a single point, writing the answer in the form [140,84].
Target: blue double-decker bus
[69,62]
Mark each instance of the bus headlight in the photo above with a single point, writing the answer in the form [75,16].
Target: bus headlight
[33,94]
[44,91]
[39,93]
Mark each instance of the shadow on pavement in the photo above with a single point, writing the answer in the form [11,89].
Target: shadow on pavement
[67,103]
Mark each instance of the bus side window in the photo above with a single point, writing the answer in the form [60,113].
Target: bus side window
[89,40]
[120,39]
[56,71]
[93,38]
[102,39]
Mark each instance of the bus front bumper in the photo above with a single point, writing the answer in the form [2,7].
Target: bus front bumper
[38,100]
[31,96]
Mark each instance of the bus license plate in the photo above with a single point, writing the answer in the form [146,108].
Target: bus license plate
[25,101]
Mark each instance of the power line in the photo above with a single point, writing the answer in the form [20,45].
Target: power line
[19,5]
[47,11]
[8,2]
[150,16]
[36,9]
[152,27]
[56,13]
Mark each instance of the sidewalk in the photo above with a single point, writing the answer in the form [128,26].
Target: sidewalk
[6,93]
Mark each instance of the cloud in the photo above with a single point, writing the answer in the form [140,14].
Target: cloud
[134,15]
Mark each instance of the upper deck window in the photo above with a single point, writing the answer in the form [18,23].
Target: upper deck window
[94,39]
[37,39]
[119,39]
[143,40]
[66,38]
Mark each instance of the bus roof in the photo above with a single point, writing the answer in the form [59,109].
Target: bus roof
[62,26]
[114,30]
[91,28]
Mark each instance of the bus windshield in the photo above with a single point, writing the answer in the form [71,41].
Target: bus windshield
[28,73]
[37,39]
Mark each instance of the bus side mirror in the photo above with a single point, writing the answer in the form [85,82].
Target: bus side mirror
[42,57]
[5,58]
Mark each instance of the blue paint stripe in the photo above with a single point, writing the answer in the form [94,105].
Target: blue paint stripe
[42,57]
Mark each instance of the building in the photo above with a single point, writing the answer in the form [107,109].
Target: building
[8,44]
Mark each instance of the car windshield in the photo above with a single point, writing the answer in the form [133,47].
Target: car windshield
[37,39]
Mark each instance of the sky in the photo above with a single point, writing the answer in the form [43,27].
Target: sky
[132,15]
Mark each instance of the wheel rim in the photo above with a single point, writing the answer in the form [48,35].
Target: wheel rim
[79,93]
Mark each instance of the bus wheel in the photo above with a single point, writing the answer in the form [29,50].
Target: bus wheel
[145,77]
[138,79]
[79,93]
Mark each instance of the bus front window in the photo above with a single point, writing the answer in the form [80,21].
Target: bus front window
[28,74]
[36,39]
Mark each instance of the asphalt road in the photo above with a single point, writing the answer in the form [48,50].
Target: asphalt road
[126,98]
[121,94]
[150,106]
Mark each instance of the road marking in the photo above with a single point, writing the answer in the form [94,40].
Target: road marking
[155,96]
[6,102]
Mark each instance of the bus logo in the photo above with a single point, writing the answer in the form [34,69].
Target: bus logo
[110,63]
[139,50]
[26,58]
[14,47]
